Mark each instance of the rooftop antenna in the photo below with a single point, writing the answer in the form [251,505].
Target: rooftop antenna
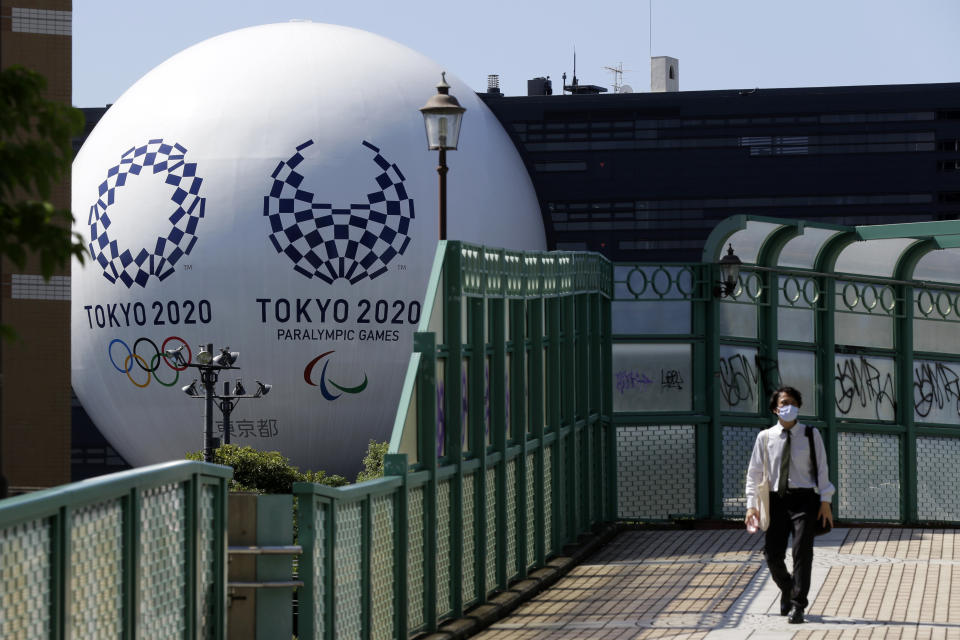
[650,25]
[618,77]
[575,68]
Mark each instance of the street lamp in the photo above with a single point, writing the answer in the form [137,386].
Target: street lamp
[210,367]
[729,272]
[441,118]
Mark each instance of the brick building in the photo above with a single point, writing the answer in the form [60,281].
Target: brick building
[35,387]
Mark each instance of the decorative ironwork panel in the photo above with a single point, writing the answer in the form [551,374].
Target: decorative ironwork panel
[25,580]
[512,513]
[207,561]
[548,500]
[869,476]
[737,446]
[647,487]
[472,270]
[319,568]
[865,387]
[865,314]
[96,561]
[798,297]
[938,476]
[738,313]
[652,299]
[491,559]
[415,577]
[530,515]
[469,582]
[654,282]
[163,576]
[867,298]
[381,568]
[347,576]
[444,556]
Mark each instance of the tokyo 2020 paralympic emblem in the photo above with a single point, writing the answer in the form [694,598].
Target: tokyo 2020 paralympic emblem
[166,161]
[331,243]
[324,390]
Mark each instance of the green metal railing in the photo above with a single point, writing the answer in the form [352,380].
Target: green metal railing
[138,554]
[692,372]
[502,449]
[543,396]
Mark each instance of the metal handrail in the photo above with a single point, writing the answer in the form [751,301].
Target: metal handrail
[276,550]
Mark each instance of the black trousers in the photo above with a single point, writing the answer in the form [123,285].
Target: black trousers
[796,514]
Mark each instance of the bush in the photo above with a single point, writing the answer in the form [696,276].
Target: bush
[264,471]
[373,461]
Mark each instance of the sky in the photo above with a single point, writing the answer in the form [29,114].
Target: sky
[737,44]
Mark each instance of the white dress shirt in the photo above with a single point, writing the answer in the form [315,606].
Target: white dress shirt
[800,474]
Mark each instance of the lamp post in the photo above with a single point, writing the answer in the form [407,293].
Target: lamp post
[210,367]
[441,118]
[729,272]
[228,401]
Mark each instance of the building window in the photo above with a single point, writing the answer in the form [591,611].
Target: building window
[34,287]
[42,21]
[950,166]
[557,167]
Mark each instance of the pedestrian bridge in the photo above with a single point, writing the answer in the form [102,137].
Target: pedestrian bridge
[548,394]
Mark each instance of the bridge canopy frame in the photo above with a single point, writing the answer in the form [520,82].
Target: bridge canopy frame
[861,319]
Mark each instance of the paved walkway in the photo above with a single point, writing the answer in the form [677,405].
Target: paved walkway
[714,585]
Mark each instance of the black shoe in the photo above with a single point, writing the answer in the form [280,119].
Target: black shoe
[785,604]
[796,616]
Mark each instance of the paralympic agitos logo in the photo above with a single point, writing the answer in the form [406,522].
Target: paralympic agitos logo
[324,380]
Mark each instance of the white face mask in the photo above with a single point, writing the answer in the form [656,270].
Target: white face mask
[788,412]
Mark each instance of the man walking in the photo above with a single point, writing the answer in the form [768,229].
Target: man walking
[798,497]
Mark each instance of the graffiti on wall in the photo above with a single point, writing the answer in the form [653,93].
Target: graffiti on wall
[865,388]
[742,375]
[936,391]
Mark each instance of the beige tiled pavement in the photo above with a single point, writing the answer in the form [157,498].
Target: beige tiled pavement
[874,583]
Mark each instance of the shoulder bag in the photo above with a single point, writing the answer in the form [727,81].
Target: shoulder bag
[819,528]
[763,491]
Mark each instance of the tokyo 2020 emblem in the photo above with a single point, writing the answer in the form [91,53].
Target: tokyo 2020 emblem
[330,241]
[136,265]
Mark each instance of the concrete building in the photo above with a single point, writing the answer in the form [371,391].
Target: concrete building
[646,176]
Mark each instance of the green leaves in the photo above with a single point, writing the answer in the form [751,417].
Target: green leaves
[35,153]
[264,471]
[373,461]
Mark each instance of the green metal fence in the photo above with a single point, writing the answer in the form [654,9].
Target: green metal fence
[546,393]
[138,554]
[502,451]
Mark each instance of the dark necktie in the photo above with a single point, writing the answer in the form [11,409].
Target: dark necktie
[784,467]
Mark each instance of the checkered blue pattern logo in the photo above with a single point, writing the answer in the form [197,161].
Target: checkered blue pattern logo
[328,242]
[158,259]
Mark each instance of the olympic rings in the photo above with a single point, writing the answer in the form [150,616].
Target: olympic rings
[174,360]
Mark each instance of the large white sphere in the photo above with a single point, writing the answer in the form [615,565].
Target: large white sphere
[270,189]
